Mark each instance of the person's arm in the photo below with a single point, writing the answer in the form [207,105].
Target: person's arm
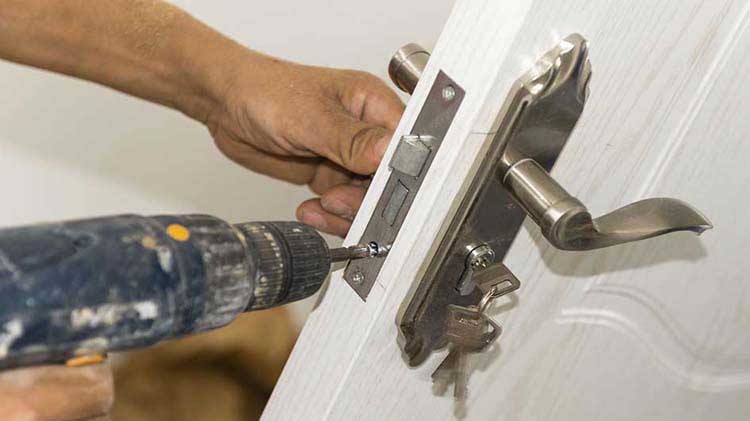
[307,125]
[146,48]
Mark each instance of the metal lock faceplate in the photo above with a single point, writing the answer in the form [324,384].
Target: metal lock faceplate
[409,166]
[539,114]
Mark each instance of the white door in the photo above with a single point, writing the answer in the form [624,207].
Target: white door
[657,329]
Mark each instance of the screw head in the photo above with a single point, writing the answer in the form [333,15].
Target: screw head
[358,277]
[449,92]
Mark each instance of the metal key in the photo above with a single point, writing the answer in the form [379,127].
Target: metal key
[468,330]
[498,278]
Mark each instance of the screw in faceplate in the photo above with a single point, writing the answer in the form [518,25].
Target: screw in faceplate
[358,277]
[449,92]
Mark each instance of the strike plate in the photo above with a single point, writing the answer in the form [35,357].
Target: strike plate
[409,167]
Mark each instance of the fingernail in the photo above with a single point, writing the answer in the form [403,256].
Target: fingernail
[337,207]
[314,220]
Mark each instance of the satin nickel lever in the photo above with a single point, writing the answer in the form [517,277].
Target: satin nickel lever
[568,225]
[546,112]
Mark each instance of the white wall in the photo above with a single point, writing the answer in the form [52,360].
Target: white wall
[72,149]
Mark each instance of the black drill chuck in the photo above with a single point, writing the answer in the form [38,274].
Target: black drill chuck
[292,261]
[115,283]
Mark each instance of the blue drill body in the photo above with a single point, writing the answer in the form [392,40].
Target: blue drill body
[114,283]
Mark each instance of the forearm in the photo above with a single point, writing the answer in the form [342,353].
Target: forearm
[146,48]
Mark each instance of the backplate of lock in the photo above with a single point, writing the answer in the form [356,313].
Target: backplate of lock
[535,122]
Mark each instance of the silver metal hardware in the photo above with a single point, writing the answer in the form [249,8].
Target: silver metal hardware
[357,277]
[468,330]
[449,93]
[568,225]
[406,66]
[498,279]
[411,154]
[512,181]
[410,165]
[360,251]
[479,258]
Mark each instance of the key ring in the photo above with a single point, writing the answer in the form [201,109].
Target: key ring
[487,298]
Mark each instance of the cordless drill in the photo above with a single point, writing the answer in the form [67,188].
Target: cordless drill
[72,291]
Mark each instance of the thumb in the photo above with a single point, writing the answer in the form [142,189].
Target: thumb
[356,145]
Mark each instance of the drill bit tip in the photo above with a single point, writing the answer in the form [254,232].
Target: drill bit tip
[359,251]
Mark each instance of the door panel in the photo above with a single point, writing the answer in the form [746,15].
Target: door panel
[652,330]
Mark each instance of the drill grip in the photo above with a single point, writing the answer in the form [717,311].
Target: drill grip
[123,282]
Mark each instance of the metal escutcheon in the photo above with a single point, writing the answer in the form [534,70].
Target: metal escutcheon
[513,181]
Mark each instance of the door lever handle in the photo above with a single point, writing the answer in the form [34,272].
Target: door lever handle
[558,87]
[568,225]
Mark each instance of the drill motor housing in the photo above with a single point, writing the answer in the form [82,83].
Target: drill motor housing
[122,282]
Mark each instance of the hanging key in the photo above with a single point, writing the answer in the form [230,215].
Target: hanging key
[468,330]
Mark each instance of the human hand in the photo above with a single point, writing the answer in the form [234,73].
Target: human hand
[309,125]
[56,393]
[326,128]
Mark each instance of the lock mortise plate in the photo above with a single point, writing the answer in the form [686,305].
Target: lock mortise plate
[409,165]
